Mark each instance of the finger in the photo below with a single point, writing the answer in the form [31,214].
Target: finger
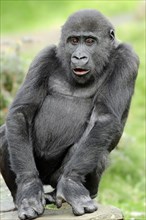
[39,209]
[78,210]
[90,207]
[27,213]
[21,215]
[58,202]
[43,201]
[30,213]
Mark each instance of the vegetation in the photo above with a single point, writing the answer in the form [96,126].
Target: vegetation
[19,15]
[12,70]
[123,184]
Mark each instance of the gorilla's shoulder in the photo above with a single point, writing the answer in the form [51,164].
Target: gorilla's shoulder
[126,51]
[126,55]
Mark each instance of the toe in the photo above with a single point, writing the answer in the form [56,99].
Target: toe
[90,207]
[27,214]
[78,210]
[59,202]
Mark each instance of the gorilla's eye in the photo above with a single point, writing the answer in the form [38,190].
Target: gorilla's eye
[74,40]
[112,34]
[89,41]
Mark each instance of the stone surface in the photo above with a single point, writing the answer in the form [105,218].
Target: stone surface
[65,213]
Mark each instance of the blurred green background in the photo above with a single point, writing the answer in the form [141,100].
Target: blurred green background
[27,26]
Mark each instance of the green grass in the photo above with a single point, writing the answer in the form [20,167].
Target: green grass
[19,15]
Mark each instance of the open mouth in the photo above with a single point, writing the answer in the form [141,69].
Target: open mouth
[80,71]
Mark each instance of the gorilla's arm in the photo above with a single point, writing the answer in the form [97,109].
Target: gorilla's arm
[105,126]
[19,121]
[22,111]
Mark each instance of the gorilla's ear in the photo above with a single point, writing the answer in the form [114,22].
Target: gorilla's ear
[112,34]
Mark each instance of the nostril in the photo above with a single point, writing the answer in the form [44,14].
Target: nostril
[83,58]
[75,57]
[80,58]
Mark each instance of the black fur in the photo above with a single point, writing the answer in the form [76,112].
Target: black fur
[62,125]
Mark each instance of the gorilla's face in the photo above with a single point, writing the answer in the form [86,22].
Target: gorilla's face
[86,44]
[81,48]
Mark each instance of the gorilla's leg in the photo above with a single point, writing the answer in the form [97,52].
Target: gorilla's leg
[91,180]
[78,192]
[91,183]
[5,169]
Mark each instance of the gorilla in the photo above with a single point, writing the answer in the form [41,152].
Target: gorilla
[68,115]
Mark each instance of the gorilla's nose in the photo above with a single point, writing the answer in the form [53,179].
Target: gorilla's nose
[79,58]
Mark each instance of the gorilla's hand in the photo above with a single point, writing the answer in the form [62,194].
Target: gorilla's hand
[76,195]
[30,199]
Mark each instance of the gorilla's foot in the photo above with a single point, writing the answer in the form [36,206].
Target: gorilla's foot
[84,206]
[30,200]
[75,194]
[31,208]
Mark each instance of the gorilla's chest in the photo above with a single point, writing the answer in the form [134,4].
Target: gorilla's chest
[61,121]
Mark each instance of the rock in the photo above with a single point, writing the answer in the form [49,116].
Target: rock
[65,213]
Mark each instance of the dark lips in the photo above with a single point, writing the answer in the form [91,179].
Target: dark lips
[80,71]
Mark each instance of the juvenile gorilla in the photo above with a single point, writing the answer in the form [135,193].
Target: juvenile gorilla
[67,116]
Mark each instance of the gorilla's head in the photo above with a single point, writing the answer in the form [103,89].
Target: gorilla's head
[87,42]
